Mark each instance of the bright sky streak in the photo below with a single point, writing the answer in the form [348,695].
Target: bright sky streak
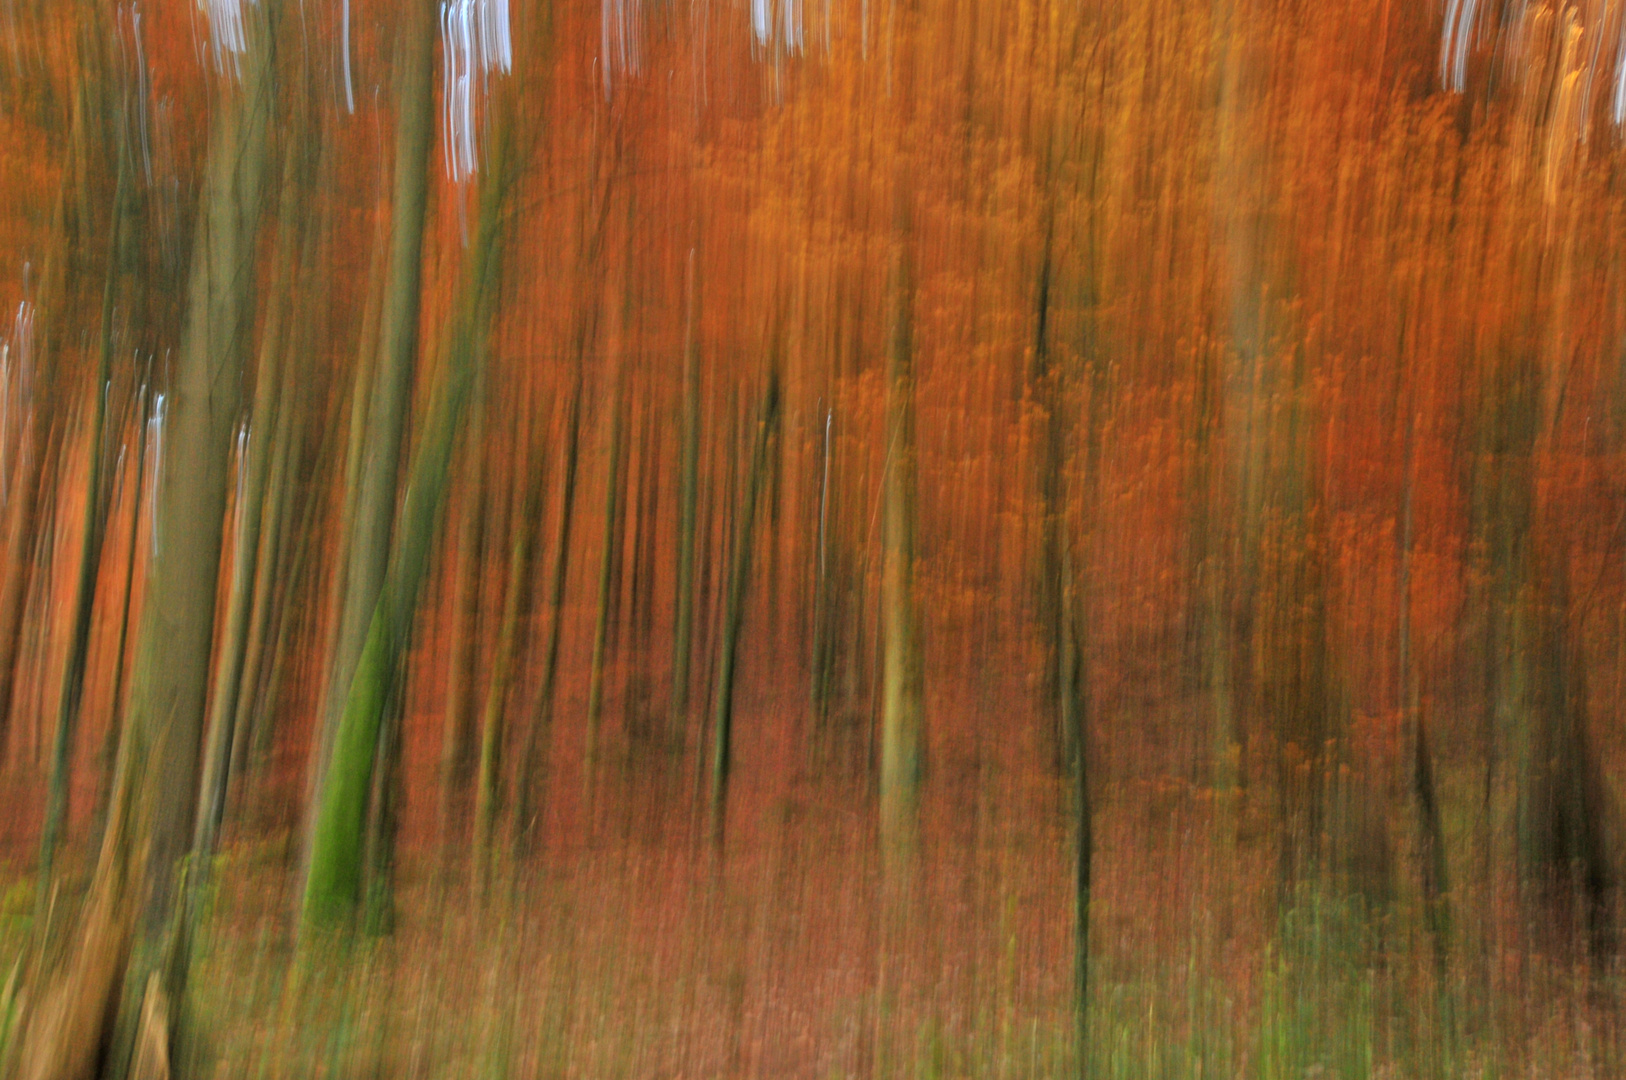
[474,42]
[155,462]
[1617,111]
[16,389]
[1456,38]
[783,27]
[1591,26]
[618,38]
[344,42]
[141,87]
[228,38]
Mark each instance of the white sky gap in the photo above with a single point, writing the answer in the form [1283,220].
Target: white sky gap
[475,42]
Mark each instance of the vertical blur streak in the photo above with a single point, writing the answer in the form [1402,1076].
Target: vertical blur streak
[344,46]
[155,466]
[475,47]
[1198,649]
[227,37]
[1456,43]
[1618,97]
[620,47]
[16,392]
[143,90]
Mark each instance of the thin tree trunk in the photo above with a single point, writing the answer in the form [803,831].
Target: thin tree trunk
[90,556]
[1431,839]
[902,693]
[689,486]
[466,590]
[641,598]
[822,651]
[510,645]
[606,585]
[528,807]
[734,610]
[111,742]
[1074,700]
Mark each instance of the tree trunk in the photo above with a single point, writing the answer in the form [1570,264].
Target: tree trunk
[688,491]
[528,807]
[734,610]
[333,879]
[254,464]
[466,589]
[903,690]
[390,393]
[1430,835]
[510,646]
[606,585]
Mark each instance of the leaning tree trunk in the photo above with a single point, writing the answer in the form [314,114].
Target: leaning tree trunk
[390,392]
[333,877]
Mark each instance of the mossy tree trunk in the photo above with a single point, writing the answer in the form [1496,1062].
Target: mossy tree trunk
[373,507]
[334,878]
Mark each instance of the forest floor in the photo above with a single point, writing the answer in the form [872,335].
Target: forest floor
[631,945]
[643,951]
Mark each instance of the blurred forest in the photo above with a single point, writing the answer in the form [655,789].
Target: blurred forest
[858,538]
